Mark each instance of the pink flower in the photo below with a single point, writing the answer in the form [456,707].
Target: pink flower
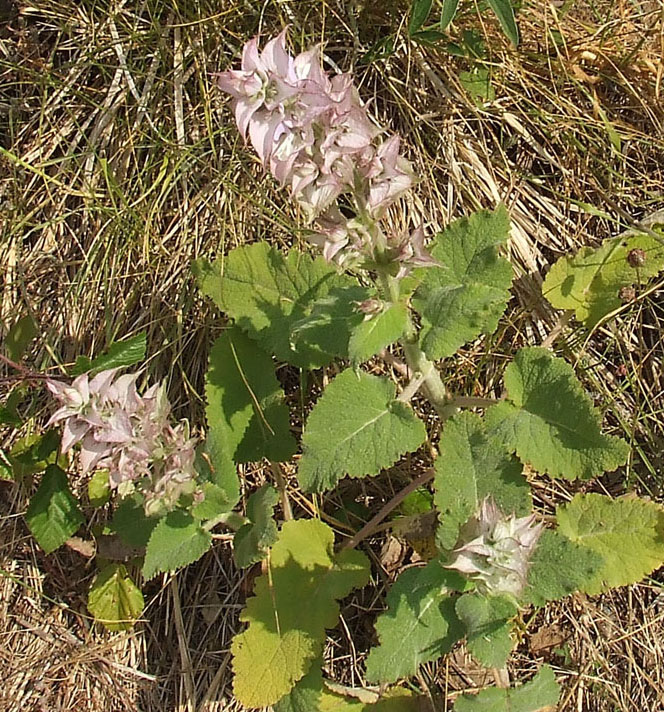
[390,174]
[495,550]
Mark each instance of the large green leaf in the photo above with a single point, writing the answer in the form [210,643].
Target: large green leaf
[130,522]
[119,354]
[375,333]
[488,625]
[245,403]
[419,11]
[448,12]
[550,421]
[178,540]
[590,281]
[472,466]
[628,533]
[468,293]
[356,428]
[539,695]
[420,623]
[252,539]
[53,514]
[114,599]
[33,453]
[267,294]
[294,602]
[559,567]
[331,320]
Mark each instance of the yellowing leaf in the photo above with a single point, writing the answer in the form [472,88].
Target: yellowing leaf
[114,599]
[590,281]
[294,602]
[628,533]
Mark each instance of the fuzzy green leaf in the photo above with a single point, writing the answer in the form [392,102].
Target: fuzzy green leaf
[539,695]
[99,488]
[53,514]
[294,602]
[19,337]
[215,465]
[267,294]
[467,295]
[420,623]
[119,354]
[356,428]
[505,15]
[628,533]
[331,321]
[130,522]
[472,466]
[558,568]
[178,540]
[550,421]
[372,335]
[245,403]
[252,540]
[114,599]
[590,281]
[488,624]
[33,453]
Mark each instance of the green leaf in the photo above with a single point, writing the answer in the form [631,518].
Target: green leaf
[558,568]
[114,599]
[245,403]
[267,294]
[420,623]
[467,295]
[312,695]
[33,453]
[628,533]
[6,469]
[478,84]
[488,625]
[472,466]
[215,502]
[448,12]
[590,281]
[53,514]
[8,412]
[294,602]
[214,464]
[119,354]
[372,335]
[131,523]
[539,695]
[419,11]
[252,540]
[178,540]
[550,421]
[331,320]
[356,428]
[505,14]
[99,488]
[19,337]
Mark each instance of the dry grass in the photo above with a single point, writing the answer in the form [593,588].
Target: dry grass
[119,164]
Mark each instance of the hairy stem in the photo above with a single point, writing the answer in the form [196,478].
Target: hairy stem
[280,480]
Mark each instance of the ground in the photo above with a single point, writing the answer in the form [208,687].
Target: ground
[120,163]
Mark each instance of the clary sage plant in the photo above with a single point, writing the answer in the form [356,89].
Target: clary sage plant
[374,298]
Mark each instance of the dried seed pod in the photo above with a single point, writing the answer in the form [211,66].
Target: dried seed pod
[636,257]
[627,294]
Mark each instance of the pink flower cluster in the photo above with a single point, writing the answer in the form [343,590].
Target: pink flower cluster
[313,133]
[129,435]
[495,549]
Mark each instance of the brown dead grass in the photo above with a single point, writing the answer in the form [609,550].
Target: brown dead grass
[121,163]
